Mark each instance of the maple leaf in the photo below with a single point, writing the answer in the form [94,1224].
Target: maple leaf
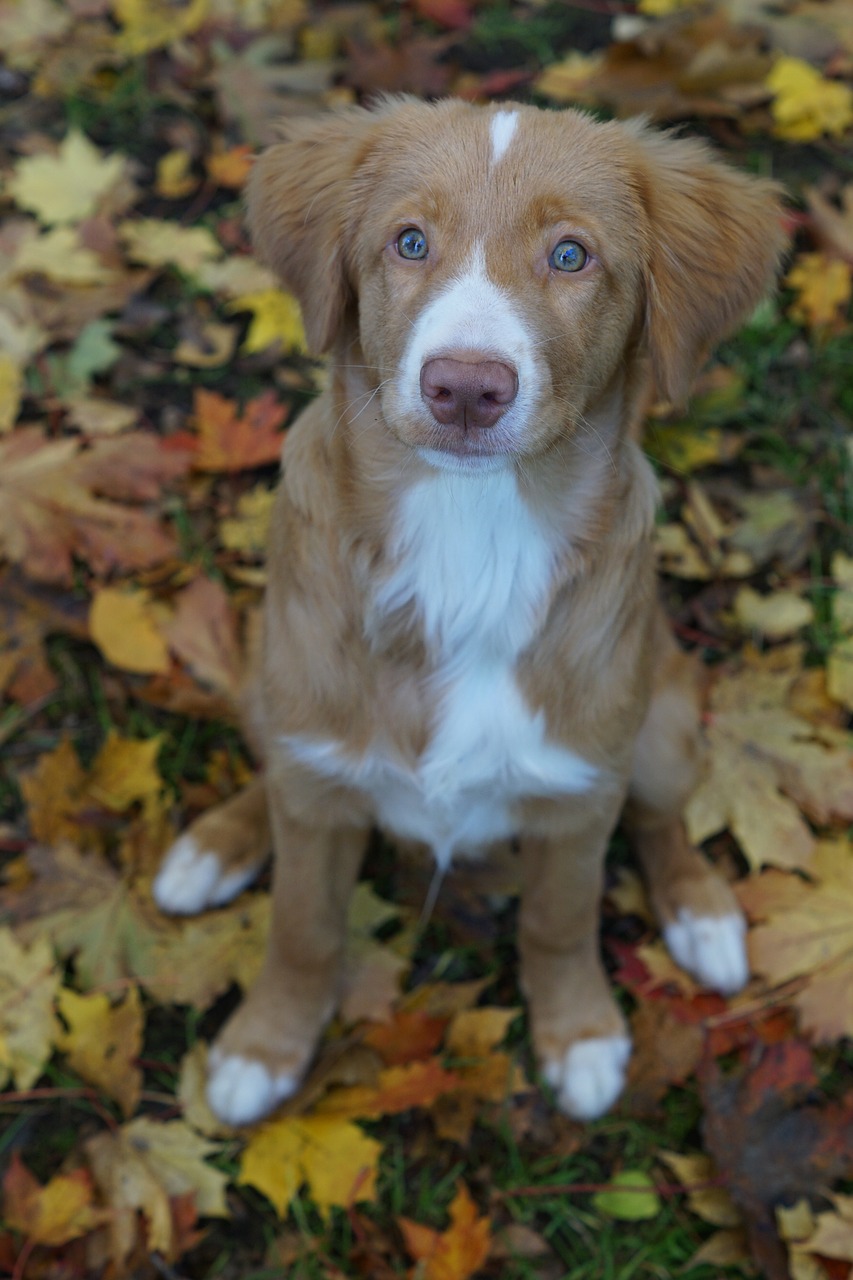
[52,1214]
[174,178]
[415,1084]
[103,1041]
[124,626]
[141,1167]
[276,319]
[203,634]
[49,513]
[823,287]
[805,104]
[29,982]
[777,616]
[806,930]
[67,186]
[158,243]
[230,441]
[454,1254]
[230,168]
[59,255]
[151,24]
[329,1154]
[408,1037]
[765,761]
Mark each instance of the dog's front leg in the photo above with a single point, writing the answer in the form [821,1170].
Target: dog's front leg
[261,1055]
[578,1032]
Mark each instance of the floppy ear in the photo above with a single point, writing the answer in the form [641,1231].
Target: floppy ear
[716,237]
[299,197]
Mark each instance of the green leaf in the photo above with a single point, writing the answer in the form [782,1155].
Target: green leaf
[630,1196]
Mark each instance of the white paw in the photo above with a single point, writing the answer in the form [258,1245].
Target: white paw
[590,1077]
[711,948]
[242,1090]
[190,880]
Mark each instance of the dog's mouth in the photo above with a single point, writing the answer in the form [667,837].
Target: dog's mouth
[469,448]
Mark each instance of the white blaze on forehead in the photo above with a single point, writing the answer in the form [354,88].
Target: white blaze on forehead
[503,127]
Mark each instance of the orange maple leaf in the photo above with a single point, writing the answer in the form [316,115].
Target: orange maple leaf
[454,1254]
[228,441]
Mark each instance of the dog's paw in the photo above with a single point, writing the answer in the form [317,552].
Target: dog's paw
[590,1076]
[192,879]
[242,1090]
[712,949]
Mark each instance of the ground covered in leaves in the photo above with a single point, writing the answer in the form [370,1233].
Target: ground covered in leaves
[148,368]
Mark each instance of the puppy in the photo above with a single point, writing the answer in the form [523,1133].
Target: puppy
[462,638]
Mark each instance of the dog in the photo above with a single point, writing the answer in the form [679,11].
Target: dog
[462,638]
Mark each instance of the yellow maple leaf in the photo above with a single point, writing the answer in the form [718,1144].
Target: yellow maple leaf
[247,529]
[65,187]
[174,178]
[806,104]
[59,255]
[125,772]
[157,243]
[276,318]
[332,1156]
[11,391]
[52,1214]
[103,1041]
[823,286]
[454,1254]
[29,982]
[566,81]
[124,626]
[151,24]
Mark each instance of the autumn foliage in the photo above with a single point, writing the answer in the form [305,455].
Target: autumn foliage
[149,368]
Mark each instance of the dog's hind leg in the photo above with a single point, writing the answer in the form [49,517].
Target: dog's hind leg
[702,924]
[219,854]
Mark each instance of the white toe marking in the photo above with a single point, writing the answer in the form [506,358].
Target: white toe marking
[711,948]
[241,1090]
[191,879]
[502,129]
[590,1077]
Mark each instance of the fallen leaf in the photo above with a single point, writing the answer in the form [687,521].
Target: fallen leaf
[630,1197]
[410,1035]
[454,1254]
[331,1155]
[806,104]
[49,511]
[230,441]
[49,1214]
[59,255]
[67,186]
[29,981]
[666,1051]
[203,634]
[174,178]
[158,243]
[806,930]
[151,24]
[777,616]
[276,320]
[103,1041]
[823,287]
[248,529]
[711,1204]
[125,627]
[230,168]
[11,391]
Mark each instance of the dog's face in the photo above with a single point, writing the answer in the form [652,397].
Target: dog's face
[506,268]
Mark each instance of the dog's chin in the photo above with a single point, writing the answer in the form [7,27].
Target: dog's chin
[468,451]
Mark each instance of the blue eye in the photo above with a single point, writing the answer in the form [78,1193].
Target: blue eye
[412,244]
[569,256]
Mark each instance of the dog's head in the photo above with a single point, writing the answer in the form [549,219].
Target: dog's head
[505,268]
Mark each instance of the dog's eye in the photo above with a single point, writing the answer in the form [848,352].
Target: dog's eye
[412,243]
[569,256]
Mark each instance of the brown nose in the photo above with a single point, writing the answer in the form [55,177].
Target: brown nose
[462,394]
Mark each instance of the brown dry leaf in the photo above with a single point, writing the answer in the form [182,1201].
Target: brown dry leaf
[328,1153]
[767,764]
[49,511]
[125,627]
[710,1203]
[666,1051]
[29,981]
[52,1214]
[230,441]
[143,1166]
[806,931]
[203,634]
[454,1254]
[103,1041]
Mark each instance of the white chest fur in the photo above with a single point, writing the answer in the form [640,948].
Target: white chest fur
[475,564]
